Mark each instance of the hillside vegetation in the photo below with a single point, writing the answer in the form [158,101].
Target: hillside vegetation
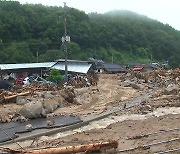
[30,30]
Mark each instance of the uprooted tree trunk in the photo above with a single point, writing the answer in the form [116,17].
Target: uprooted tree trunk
[73,149]
[6,98]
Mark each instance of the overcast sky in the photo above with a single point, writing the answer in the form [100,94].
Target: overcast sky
[165,11]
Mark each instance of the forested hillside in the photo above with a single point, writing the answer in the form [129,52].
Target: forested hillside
[28,31]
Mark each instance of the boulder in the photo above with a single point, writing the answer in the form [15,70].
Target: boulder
[21,100]
[32,110]
[68,94]
[45,95]
[50,105]
[62,102]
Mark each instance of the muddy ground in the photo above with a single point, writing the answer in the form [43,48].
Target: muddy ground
[154,120]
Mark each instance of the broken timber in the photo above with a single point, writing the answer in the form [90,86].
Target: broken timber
[14,96]
[74,149]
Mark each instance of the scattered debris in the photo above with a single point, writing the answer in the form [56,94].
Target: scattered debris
[90,95]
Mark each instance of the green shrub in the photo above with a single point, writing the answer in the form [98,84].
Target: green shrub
[54,76]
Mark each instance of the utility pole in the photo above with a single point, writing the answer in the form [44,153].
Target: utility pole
[37,56]
[112,56]
[65,40]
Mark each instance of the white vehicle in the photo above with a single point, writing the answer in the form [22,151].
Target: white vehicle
[38,79]
[26,81]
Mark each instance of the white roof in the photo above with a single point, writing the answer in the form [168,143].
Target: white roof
[73,61]
[26,65]
[74,67]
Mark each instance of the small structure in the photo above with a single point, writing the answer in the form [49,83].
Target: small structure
[35,67]
[145,68]
[24,69]
[14,71]
[74,66]
[104,67]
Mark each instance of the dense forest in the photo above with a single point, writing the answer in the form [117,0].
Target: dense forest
[30,33]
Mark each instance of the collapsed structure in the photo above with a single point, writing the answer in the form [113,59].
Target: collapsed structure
[85,98]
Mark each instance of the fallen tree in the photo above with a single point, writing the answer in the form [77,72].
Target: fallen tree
[14,96]
[101,146]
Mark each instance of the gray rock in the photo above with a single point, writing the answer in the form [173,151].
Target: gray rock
[32,110]
[50,105]
[29,127]
[21,100]
[135,86]
[126,83]
[45,95]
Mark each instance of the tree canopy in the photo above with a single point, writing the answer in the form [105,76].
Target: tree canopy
[28,31]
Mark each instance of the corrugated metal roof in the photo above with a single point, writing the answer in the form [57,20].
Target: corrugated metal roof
[74,61]
[111,67]
[74,67]
[26,65]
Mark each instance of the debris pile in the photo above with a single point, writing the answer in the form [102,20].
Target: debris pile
[34,102]
[143,99]
[152,79]
[80,81]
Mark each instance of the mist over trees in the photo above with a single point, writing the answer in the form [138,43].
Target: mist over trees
[28,31]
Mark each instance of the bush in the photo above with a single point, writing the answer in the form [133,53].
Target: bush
[54,76]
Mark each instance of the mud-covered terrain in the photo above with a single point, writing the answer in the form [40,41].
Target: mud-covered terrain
[151,126]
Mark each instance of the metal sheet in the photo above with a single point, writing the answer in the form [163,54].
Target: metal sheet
[26,65]
[15,127]
[74,67]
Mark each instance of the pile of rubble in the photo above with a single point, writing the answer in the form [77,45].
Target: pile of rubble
[33,103]
[40,100]
[80,81]
[152,79]
[164,87]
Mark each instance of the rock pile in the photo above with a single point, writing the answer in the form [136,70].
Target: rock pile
[39,104]
[153,79]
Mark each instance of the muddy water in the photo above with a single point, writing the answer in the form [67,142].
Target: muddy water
[103,123]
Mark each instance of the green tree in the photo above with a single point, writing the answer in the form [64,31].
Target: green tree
[40,28]
[18,53]
[51,55]
[54,76]
[174,61]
